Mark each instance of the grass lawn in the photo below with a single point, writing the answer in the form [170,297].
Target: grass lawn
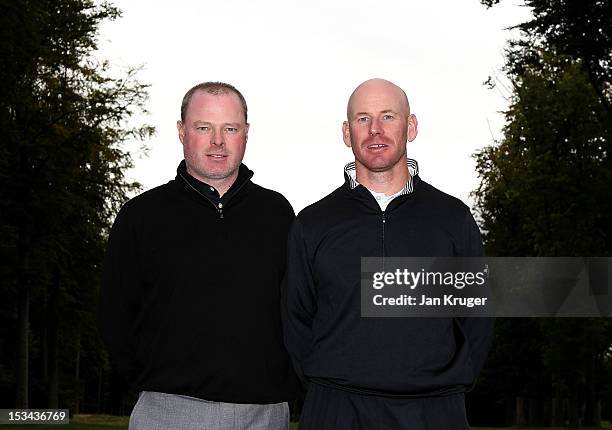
[107,422]
[604,426]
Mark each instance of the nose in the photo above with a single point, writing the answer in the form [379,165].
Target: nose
[375,128]
[216,138]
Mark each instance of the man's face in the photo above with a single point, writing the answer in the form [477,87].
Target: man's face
[378,126]
[214,136]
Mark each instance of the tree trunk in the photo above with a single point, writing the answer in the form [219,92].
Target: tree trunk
[23,317]
[574,410]
[576,396]
[556,410]
[532,411]
[520,411]
[22,349]
[77,371]
[53,323]
[44,341]
[100,388]
[592,416]
[546,415]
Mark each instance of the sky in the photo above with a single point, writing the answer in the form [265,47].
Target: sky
[298,62]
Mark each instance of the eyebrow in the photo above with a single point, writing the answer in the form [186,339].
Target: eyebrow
[368,113]
[233,124]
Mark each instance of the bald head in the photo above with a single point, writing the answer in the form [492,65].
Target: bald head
[373,89]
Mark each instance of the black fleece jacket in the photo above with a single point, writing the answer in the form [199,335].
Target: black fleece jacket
[190,298]
[324,331]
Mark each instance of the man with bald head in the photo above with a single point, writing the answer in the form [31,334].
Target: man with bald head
[388,373]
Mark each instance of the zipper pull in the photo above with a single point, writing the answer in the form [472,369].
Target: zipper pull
[383,218]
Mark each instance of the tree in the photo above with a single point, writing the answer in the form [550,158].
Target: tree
[62,169]
[581,30]
[542,185]
[543,189]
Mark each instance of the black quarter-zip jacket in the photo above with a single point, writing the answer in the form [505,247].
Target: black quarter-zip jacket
[190,297]
[324,332]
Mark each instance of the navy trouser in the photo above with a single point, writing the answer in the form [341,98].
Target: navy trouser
[332,409]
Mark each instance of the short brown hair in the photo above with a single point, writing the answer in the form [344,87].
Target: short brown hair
[214,88]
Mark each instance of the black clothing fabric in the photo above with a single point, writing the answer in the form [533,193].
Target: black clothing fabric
[390,357]
[208,191]
[190,298]
[327,408]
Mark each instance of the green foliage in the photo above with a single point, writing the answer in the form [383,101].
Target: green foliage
[541,184]
[579,29]
[545,191]
[62,179]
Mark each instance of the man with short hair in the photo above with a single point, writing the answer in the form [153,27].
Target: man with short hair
[190,298]
[387,373]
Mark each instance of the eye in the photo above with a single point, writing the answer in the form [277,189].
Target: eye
[362,119]
[231,129]
[202,128]
[387,116]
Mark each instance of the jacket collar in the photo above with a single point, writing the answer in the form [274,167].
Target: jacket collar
[350,176]
[210,192]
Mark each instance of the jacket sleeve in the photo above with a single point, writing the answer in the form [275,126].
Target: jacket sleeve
[300,299]
[478,330]
[117,308]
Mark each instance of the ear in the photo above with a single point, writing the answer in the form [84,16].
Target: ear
[246,131]
[412,127]
[346,134]
[181,130]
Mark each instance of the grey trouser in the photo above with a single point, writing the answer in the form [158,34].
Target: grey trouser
[161,411]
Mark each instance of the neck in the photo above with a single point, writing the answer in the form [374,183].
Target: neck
[388,182]
[221,185]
